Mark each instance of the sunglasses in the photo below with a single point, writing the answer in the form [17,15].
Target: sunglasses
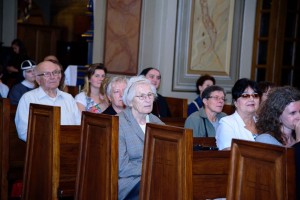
[247,96]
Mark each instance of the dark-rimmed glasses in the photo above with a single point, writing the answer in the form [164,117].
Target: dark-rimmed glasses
[48,74]
[247,96]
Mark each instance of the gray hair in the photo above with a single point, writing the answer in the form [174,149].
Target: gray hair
[130,90]
[114,80]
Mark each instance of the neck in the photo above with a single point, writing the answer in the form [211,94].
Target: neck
[139,117]
[117,108]
[50,92]
[212,116]
[248,119]
[94,91]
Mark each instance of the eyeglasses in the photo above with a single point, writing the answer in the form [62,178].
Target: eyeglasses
[217,98]
[247,96]
[150,95]
[48,74]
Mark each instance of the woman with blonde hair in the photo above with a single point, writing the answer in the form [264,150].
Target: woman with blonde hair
[92,98]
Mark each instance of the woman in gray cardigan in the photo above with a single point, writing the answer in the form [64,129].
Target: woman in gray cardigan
[205,121]
[138,98]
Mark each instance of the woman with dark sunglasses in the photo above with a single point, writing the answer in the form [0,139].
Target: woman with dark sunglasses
[241,124]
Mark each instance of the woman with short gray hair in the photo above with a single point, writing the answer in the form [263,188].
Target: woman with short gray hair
[138,98]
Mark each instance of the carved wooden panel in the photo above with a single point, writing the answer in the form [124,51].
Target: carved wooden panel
[97,176]
[167,163]
[259,171]
[41,174]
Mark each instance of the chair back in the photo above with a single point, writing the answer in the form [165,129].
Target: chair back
[41,174]
[12,156]
[178,107]
[260,171]
[97,176]
[167,163]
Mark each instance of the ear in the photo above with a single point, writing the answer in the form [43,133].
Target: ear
[204,101]
[37,79]
[200,88]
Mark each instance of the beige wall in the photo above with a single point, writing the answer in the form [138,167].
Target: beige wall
[157,40]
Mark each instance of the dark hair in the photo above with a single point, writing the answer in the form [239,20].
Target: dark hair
[273,107]
[20,44]
[202,79]
[146,70]
[90,72]
[92,68]
[265,85]
[207,92]
[240,86]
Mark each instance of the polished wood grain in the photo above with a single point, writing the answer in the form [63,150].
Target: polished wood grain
[41,172]
[97,176]
[178,107]
[167,163]
[13,149]
[261,171]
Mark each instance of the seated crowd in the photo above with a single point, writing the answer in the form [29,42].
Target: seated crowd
[263,112]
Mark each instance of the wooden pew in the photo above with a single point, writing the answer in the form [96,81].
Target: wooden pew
[167,163]
[174,121]
[69,152]
[178,107]
[12,149]
[41,172]
[73,90]
[228,109]
[97,176]
[210,171]
[55,176]
[261,171]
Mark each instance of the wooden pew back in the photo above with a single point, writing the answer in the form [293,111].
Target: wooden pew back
[261,171]
[69,152]
[210,171]
[178,107]
[12,149]
[167,163]
[97,176]
[41,173]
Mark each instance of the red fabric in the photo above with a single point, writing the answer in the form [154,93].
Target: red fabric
[17,189]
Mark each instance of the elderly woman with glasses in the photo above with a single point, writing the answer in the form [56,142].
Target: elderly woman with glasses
[205,121]
[241,124]
[93,97]
[138,97]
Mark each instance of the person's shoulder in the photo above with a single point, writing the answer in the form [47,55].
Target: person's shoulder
[66,95]
[228,118]
[155,119]
[80,95]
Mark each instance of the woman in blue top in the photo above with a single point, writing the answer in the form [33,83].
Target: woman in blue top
[202,83]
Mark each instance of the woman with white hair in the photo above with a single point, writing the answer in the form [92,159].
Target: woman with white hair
[138,98]
[114,92]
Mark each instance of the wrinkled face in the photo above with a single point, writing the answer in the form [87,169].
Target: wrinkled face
[30,75]
[248,102]
[215,102]
[291,115]
[206,84]
[97,78]
[48,75]
[116,95]
[143,101]
[16,48]
[154,77]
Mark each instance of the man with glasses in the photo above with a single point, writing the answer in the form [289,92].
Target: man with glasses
[48,75]
[205,121]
